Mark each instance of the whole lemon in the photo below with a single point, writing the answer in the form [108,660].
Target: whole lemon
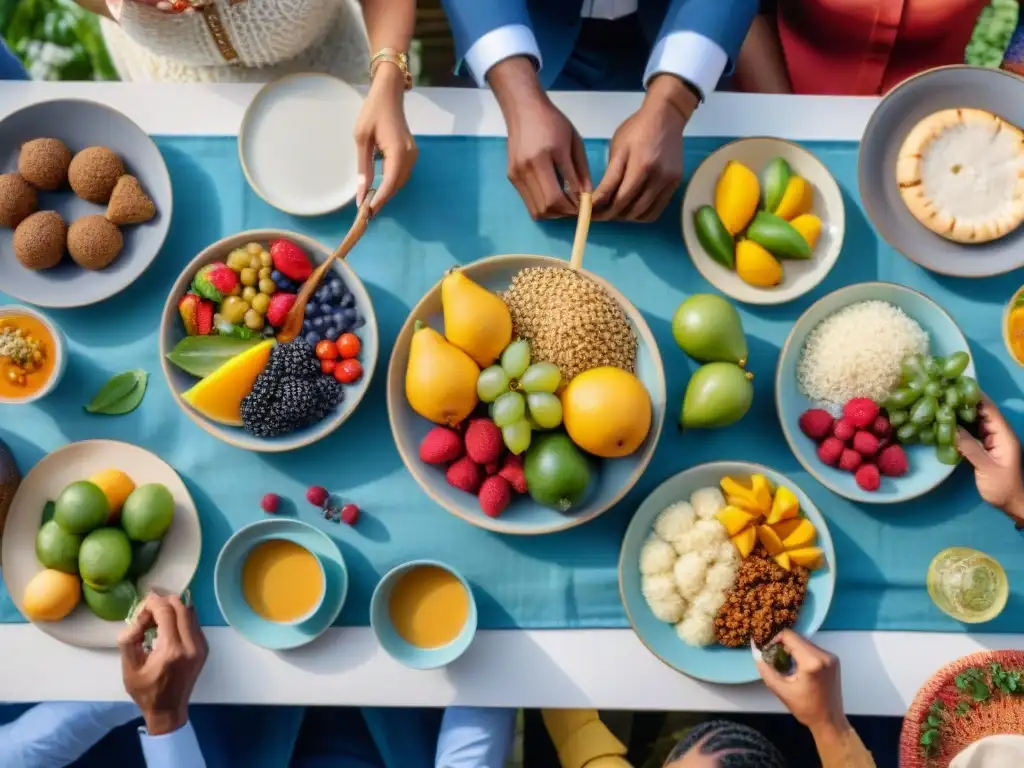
[51,595]
[606,411]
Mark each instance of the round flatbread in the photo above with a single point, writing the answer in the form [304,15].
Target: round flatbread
[961,174]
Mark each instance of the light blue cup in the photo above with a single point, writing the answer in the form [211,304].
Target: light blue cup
[227,584]
[926,472]
[714,664]
[397,648]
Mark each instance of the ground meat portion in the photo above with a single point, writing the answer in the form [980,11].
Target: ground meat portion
[765,599]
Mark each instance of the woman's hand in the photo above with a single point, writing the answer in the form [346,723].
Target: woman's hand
[813,692]
[996,461]
[382,126]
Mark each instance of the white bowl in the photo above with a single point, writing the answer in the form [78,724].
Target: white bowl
[59,351]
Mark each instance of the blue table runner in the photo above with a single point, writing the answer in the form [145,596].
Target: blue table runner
[457,208]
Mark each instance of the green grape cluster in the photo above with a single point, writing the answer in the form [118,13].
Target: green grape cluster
[521,395]
[933,397]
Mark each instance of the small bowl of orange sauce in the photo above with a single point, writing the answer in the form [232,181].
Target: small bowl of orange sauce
[33,355]
[423,614]
[1013,327]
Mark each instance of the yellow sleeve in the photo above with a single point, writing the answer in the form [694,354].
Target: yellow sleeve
[582,740]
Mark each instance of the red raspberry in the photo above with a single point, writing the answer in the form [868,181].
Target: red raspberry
[317,495]
[892,461]
[483,441]
[816,423]
[440,446]
[830,450]
[868,477]
[861,412]
[865,443]
[881,428]
[849,460]
[513,472]
[495,494]
[465,474]
[843,430]
[270,503]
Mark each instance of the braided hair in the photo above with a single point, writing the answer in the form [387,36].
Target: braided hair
[747,747]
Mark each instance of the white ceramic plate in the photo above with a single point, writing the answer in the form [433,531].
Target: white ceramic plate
[296,144]
[174,568]
[799,276]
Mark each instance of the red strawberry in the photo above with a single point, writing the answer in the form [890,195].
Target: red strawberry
[440,446]
[279,307]
[843,430]
[868,477]
[513,472]
[465,474]
[849,460]
[892,461]
[861,412]
[215,281]
[816,423]
[495,494]
[290,260]
[865,443]
[483,441]
[204,317]
[188,308]
[830,450]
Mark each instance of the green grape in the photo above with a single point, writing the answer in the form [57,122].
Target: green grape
[508,408]
[945,415]
[933,366]
[955,365]
[898,418]
[517,436]
[945,434]
[926,436]
[907,433]
[918,384]
[545,409]
[947,454]
[970,393]
[923,412]
[967,414]
[541,377]
[912,367]
[491,383]
[902,399]
[952,397]
[516,358]
[933,388]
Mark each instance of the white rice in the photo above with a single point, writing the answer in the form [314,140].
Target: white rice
[721,576]
[689,573]
[707,601]
[857,352]
[707,502]
[660,587]
[656,556]
[674,521]
[697,629]
[704,537]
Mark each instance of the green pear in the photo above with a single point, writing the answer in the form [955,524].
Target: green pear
[719,394]
[708,328]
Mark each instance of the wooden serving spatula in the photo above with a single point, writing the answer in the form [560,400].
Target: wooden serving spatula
[292,325]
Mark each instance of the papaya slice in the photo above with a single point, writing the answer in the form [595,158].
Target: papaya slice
[734,519]
[784,560]
[784,506]
[769,540]
[801,536]
[810,558]
[756,499]
[784,528]
[745,540]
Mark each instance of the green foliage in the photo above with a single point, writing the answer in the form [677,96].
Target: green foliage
[56,40]
[977,685]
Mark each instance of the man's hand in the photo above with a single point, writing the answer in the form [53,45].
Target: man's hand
[544,150]
[996,461]
[161,682]
[645,158]
[813,693]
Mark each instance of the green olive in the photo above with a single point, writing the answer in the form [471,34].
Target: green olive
[945,415]
[923,412]
[901,399]
[907,433]
[970,392]
[947,454]
[945,434]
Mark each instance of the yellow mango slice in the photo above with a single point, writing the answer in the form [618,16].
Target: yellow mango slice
[756,499]
[784,506]
[745,540]
[809,227]
[755,266]
[797,199]
[736,196]
[784,560]
[769,540]
[809,557]
[762,491]
[734,519]
[784,528]
[801,536]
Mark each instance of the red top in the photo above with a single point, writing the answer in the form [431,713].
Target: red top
[865,47]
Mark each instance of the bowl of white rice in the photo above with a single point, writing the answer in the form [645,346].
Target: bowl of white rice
[676,562]
[851,343]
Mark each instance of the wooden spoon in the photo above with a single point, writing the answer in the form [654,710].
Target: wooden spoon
[292,326]
[579,242]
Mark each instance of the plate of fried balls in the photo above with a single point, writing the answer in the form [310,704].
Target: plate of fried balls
[85,203]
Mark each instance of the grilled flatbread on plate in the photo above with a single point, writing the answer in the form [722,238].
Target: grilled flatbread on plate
[961,174]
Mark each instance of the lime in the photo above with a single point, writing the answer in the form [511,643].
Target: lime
[144,555]
[114,603]
[81,507]
[104,558]
[58,549]
[148,512]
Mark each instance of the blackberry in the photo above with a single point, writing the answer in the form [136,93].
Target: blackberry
[296,358]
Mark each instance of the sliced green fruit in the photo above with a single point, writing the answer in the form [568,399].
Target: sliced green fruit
[778,237]
[144,556]
[714,237]
[774,179]
[202,355]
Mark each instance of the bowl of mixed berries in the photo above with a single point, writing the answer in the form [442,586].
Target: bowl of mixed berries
[221,359]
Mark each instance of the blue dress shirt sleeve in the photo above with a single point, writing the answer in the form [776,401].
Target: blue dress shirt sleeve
[57,733]
[179,749]
[475,737]
[500,44]
[472,20]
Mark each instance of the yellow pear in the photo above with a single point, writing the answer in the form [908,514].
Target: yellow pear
[440,379]
[475,320]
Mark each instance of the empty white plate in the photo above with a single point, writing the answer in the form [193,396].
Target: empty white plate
[296,143]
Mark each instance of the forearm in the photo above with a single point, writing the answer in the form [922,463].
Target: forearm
[514,80]
[839,746]
[389,23]
[761,66]
[99,7]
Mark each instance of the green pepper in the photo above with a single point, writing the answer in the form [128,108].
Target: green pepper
[907,433]
[947,454]
[970,392]
[945,434]
[951,397]
[933,388]
[901,399]
[955,365]
[945,415]
[967,415]
[926,436]
[923,412]
[898,418]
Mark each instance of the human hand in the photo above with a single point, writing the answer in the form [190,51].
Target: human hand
[645,157]
[382,126]
[813,692]
[161,682]
[996,460]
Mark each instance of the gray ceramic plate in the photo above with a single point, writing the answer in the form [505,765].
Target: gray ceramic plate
[994,90]
[81,124]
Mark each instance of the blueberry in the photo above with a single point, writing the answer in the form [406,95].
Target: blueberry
[319,323]
[278,278]
[312,338]
[323,294]
[337,287]
[350,316]
[324,309]
[307,325]
[331,334]
[348,300]
[359,323]
[338,320]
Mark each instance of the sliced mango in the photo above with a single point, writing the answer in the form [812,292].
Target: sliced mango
[769,540]
[784,506]
[734,519]
[745,540]
[810,558]
[737,194]
[784,528]
[796,200]
[809,227]
[801,536]
[784,560]
[762,491]
[756,499]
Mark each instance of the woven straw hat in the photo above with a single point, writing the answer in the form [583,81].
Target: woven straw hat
[978,696]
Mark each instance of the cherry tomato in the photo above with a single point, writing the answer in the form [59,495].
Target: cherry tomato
[348,345]
[326,350]
[348,371]
[328,366]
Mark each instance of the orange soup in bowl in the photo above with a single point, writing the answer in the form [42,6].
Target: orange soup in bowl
[28,356]
[429,606]
[283,581]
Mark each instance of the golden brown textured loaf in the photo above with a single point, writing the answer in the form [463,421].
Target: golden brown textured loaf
[93,174]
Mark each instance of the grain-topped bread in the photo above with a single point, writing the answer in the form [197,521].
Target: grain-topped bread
[961,174]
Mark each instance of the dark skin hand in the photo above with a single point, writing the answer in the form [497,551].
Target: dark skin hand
[645,157]
[544,148]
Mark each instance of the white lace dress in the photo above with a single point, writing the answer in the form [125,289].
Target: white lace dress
[237,41]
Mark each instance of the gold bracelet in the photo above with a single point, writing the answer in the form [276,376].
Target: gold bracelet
[391,56]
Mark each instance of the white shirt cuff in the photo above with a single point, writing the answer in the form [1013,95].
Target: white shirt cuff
[698,60]
[500,44]
[177,749]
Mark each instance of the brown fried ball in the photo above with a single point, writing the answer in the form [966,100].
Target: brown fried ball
[94,173]
[18,200]
[43,163]
[129,204]
[94,242]
[39,240]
